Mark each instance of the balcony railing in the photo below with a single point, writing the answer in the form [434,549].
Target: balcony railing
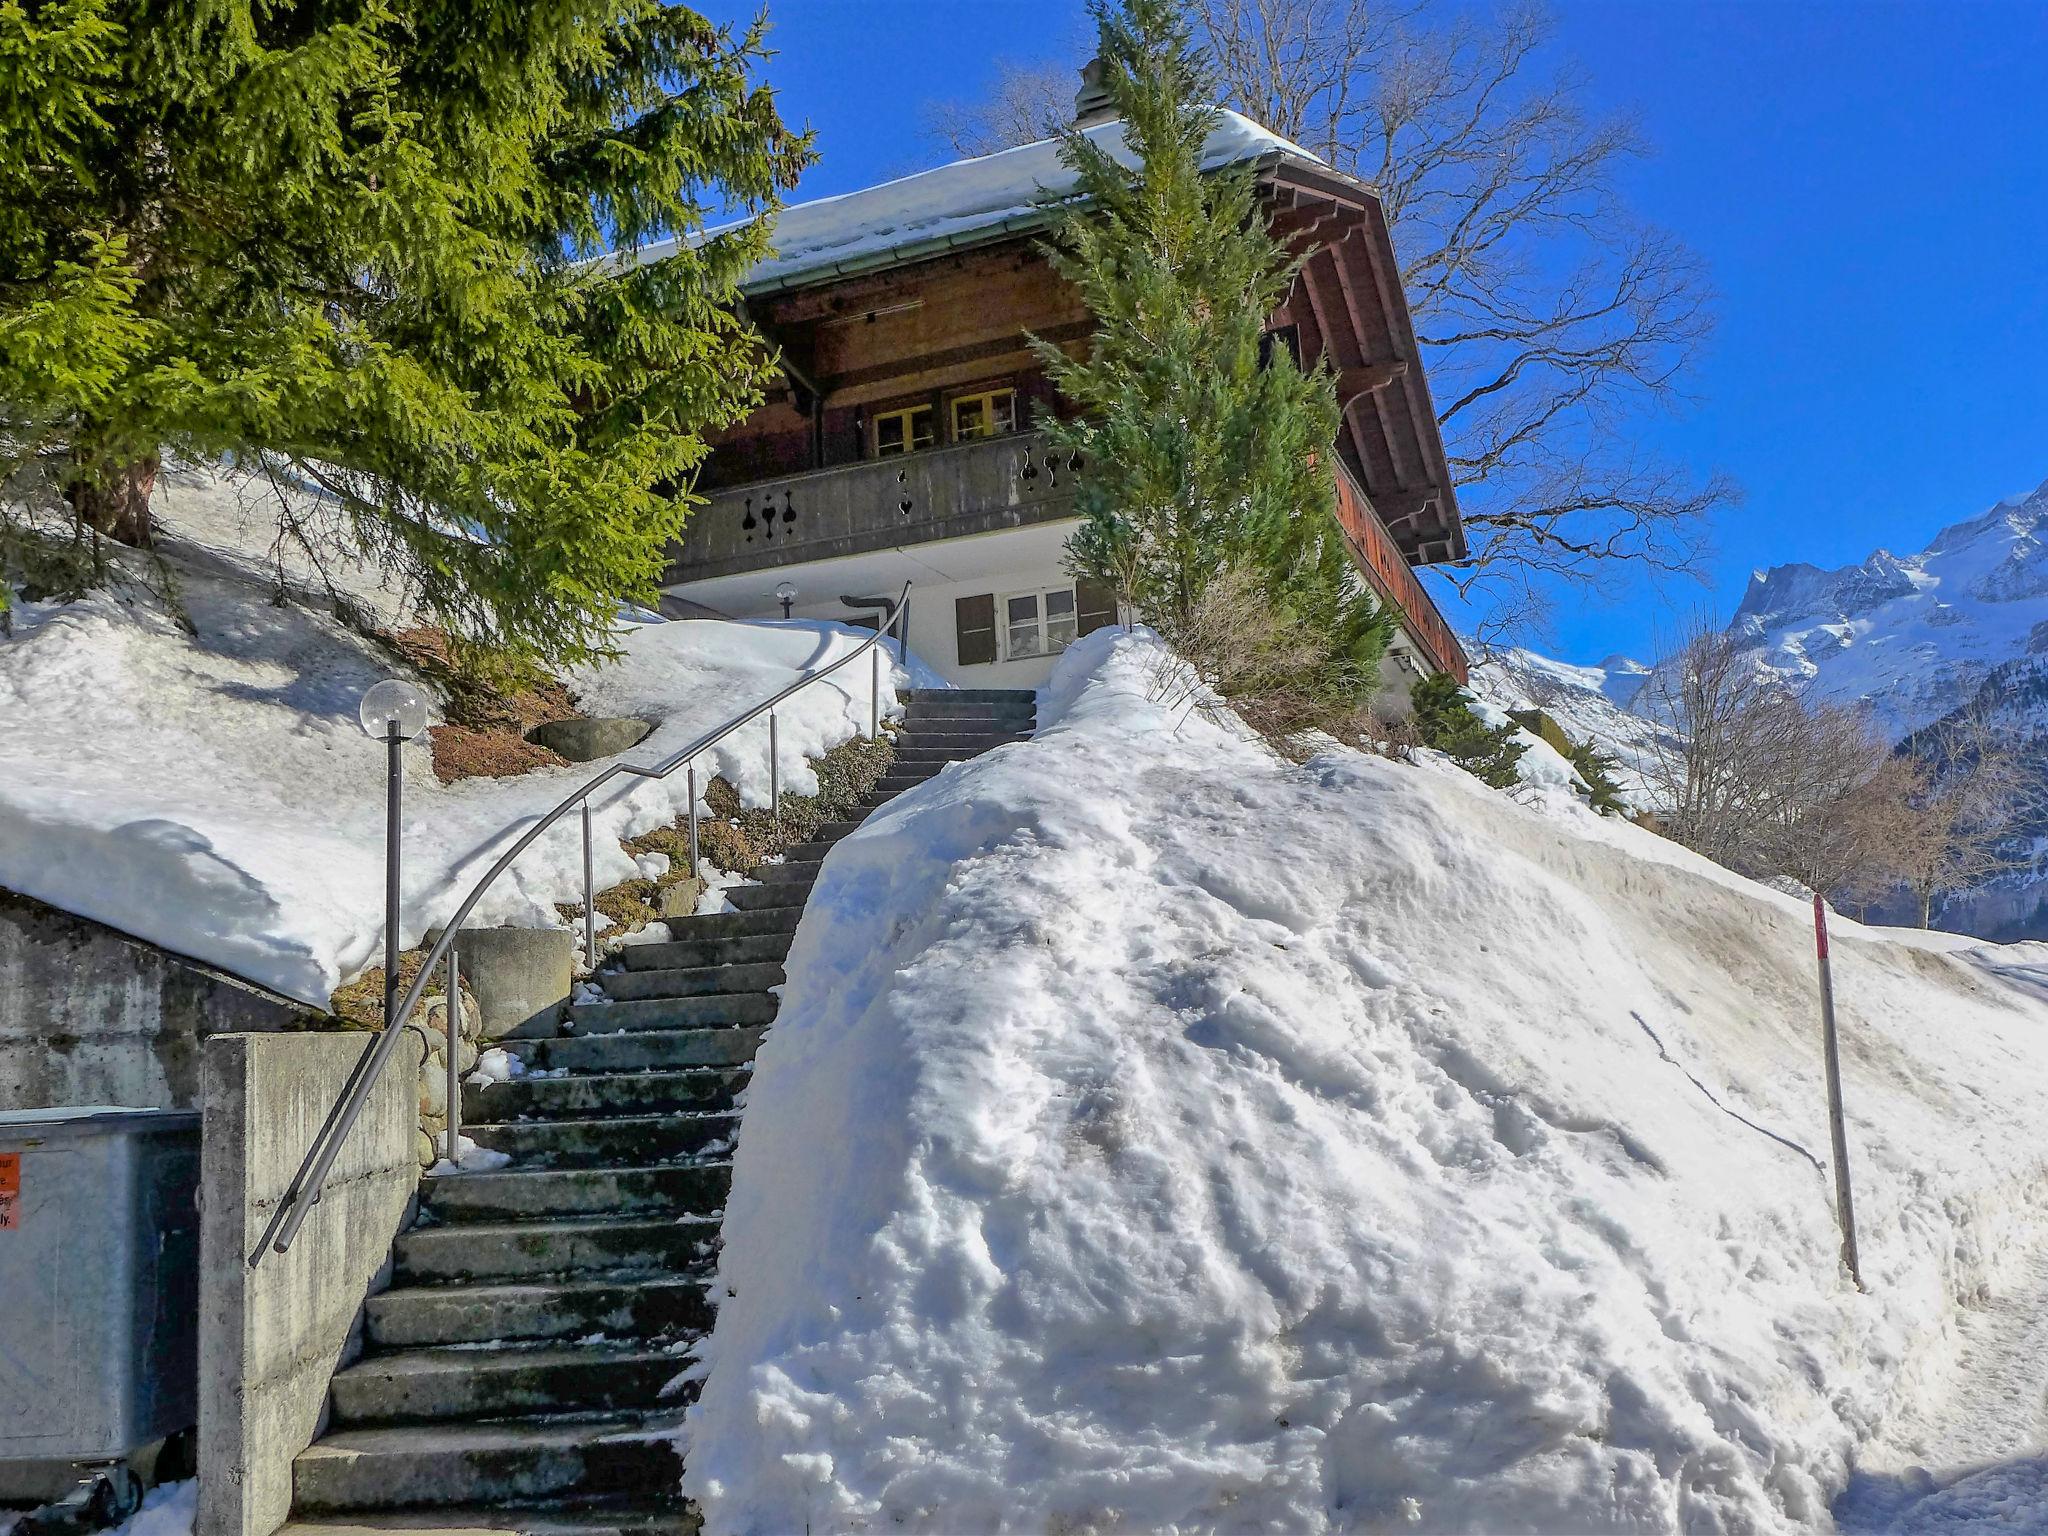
[1391,576]
[942,493]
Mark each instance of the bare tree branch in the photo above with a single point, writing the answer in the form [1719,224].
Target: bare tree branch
[1032,100]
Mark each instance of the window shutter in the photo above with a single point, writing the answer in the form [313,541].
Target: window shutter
[974,628]
[1095,605]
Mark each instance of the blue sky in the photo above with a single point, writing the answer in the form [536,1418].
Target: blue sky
[1868,184]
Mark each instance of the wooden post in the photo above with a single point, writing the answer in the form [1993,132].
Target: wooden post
[1845,1206]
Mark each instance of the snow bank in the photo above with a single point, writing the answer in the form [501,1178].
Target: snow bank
[212,791]
[1155,1136]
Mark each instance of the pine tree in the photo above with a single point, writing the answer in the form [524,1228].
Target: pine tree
[1445,720]
[353,238]
[1603,794]
[1204,451]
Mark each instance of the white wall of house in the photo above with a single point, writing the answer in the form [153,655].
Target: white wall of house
[1015,562]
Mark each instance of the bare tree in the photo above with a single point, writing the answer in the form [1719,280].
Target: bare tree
[1978,788]
[1768,783]
[1030,101]
[1552,320]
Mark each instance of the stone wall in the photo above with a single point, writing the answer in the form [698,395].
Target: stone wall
[271,1338]
[89,1015]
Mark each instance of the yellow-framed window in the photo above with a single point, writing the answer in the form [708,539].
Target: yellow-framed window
[904,430]
[990,413]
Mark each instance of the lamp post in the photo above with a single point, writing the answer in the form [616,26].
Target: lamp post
[393,712]
[785,595]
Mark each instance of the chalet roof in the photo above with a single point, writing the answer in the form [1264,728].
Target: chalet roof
[965,203]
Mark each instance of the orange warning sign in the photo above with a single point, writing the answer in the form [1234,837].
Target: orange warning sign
[10,1191]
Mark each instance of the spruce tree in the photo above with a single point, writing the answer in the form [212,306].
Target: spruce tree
[1205,452]
[353,239]
[1447,723]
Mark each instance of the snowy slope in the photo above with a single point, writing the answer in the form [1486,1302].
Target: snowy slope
[1158,1137]
[212,791]
[1589,703]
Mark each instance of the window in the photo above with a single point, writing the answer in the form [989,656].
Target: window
[1038,623]
[992,413]
[904,430]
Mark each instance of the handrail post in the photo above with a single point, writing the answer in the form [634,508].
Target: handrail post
[874,694]
[589,896]
[693,818]
[452,1048]
[903,629]
[774,773]
[394,808]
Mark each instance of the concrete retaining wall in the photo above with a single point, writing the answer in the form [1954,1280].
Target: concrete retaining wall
[271,1339]
[91,1016]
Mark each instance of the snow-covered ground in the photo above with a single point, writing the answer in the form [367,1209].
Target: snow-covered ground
[212,790]
[1156,1136]
[1589,703]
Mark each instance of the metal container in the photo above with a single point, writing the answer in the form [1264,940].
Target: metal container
[99,1289]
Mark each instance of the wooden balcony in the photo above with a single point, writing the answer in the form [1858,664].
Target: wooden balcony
[941,493]
[1390,575]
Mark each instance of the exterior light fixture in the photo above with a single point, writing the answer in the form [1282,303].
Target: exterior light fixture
[393,712]
[785,595]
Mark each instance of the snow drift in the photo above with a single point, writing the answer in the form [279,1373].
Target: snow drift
[1159,1137]
[211,791]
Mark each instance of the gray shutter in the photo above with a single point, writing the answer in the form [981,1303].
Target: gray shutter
[1094,606]
[974,627]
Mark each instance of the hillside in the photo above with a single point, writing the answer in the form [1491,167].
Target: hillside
[1158,1136]
[189,769]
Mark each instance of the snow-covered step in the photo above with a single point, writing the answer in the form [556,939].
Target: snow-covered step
[418,1386]
[642,1050]
[608,1140]
[625,1306]
[691,981]
[580,1517]
[721,1010]
[608,1244]
[394,1468]
[548,1098]
[916,697]
[542,1194]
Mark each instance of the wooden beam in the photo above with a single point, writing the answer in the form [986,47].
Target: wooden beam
[1367,378]
[953,357]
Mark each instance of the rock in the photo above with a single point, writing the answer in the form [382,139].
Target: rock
[423,1146]
[583,741]
[680,899]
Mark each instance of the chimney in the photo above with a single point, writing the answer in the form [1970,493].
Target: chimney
[1091,103]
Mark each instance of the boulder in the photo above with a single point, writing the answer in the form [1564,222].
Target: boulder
[583,741]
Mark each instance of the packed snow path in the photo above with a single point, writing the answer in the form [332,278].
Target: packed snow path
[1975,1455]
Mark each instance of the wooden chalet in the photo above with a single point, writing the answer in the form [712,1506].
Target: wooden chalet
[901,444]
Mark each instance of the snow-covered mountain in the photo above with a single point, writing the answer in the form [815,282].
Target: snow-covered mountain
[1918,636]
[1961,624]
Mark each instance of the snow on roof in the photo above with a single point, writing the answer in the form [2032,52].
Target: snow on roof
[961,203]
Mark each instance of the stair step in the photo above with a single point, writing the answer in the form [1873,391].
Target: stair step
[685,953]
[627,1306]
[789,870]
[418,1386]
[726,1010]
[973,743]
[577,1098]
[783,895]
[968,695]
[832,831]
[732,925]
[581,1517]
[920,757]
[486,1463]
[632,1140]
[643,1050]
[690,981]
[513,1195]
[992,715]
[520,1250]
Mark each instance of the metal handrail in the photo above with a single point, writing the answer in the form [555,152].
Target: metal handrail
[304,1191]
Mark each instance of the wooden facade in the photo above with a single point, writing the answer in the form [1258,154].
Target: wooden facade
[893,375]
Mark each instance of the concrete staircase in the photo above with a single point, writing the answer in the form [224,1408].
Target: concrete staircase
[523,1373]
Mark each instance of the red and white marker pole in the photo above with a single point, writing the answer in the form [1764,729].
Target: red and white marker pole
[1845,1207]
